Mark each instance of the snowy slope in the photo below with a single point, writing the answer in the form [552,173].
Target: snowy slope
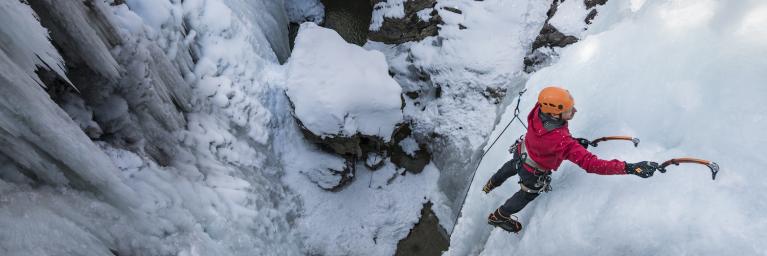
[685,77]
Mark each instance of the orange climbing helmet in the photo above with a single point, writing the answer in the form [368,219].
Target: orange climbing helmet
[555,100]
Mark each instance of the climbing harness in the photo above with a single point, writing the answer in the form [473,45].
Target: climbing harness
[474,174]
[543,183]
[544,179]
[676,161]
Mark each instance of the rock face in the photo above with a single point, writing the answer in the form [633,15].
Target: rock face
[350,19]
[371,150]
[426,238]
[550,37]
[420,21]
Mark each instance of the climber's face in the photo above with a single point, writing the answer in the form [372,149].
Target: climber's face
[569,114]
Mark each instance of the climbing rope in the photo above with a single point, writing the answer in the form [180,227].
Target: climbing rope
[474,174]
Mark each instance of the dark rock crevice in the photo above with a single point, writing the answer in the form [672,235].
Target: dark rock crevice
[350,18]
[426,238]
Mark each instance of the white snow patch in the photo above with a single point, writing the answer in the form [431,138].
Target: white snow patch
[570,18]
[393,9]
[409,145]
[340,88]
[425,14]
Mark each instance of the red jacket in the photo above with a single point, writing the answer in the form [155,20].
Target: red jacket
[550,148]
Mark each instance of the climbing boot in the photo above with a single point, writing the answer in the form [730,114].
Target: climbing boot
[488,186]
[506,223]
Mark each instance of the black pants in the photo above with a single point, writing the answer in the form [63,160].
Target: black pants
[520,199]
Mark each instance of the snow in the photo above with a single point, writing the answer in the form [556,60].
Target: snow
[425,14]
[202,78]
[409,145]
[392,9]
[369,216]
[300,11]
[453,72]
[683,81]
[570,18]
[339,88]
[378,209]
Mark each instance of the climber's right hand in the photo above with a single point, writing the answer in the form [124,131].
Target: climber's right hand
[644,169]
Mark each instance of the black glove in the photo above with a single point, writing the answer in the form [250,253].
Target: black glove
[584,142]
[644,169]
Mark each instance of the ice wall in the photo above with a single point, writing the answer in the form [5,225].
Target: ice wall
[680,75]
[145,134]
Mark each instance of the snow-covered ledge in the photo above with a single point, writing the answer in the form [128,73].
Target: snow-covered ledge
[341,89]
[345,101]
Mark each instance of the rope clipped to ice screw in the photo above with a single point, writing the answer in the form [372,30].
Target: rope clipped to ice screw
[714,167]
[474,174]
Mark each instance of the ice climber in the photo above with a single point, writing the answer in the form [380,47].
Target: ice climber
[545,145]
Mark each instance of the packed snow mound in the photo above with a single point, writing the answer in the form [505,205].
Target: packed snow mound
[339,88]
[685,77]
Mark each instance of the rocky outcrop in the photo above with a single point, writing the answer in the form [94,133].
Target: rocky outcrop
[371,150]
[420,21]
[550,37]
[426,238]
[414,161]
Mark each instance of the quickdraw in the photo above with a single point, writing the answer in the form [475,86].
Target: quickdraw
[676,161]
[595,142]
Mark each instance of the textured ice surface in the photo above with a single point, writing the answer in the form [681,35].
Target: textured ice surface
[216,194]
[26,41]
[682,76]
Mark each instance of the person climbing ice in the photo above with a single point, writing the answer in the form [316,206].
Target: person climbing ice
[540,152]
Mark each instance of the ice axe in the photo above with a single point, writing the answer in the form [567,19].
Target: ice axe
[676,161]
[594,143]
